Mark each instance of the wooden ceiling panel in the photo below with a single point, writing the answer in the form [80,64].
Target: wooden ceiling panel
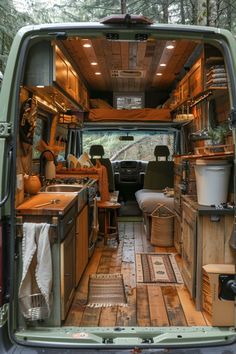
[144,56]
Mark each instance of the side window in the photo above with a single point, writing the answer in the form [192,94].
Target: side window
[42,131]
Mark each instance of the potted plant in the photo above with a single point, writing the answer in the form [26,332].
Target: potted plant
[216,136]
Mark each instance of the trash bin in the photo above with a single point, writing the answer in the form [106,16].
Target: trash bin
[162,231]
[212,179]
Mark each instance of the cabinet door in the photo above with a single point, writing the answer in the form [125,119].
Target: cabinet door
[81,259]
[67,272]
[189,225]
[72,83]
[61,69]
[196,79]
[178,234]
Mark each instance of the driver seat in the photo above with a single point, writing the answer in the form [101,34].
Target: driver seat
[97,152]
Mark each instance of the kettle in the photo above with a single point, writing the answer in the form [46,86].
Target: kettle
[50,170]
[32,184]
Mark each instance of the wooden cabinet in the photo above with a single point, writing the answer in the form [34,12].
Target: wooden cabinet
[214,232]
[51,74]
[178,233]
[206,233]
[189,227]
[65,75]
[67,272]
[81,246]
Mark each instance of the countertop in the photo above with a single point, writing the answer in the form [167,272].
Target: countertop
[65,202]
[206,210]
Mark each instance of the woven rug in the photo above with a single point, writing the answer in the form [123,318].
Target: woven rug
[157,268]
[106,290]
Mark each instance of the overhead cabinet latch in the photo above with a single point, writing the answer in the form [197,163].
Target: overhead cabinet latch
[5,129]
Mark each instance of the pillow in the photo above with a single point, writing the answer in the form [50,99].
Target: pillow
[99,103]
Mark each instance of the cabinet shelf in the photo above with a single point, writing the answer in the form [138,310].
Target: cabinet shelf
[210,91]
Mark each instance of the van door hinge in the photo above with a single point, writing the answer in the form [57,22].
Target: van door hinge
[232,117]
[5,129]
[3,314]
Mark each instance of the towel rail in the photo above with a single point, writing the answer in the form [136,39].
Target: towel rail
[20,222]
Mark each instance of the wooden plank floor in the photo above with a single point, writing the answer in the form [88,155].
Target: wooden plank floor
[148,304]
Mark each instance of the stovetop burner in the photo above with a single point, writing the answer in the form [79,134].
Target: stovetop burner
[70,180]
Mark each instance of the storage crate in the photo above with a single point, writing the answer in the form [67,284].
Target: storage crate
[162,231]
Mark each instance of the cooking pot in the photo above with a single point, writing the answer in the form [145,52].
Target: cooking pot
[32,184]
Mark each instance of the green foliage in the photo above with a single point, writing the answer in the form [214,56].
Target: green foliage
[218,134]
[18,13]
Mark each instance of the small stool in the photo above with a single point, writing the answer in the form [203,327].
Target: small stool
[109,207]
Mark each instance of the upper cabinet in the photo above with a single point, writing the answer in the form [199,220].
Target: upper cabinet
[191,85]
[50,72]
[206,76]
[64,74]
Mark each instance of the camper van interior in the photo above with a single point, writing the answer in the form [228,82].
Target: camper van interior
[124,199]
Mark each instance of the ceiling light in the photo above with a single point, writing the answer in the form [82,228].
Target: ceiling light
[97,73]
[40,86]
[170,46]
[94,63]
[87,45]
[163,64]
[159,74]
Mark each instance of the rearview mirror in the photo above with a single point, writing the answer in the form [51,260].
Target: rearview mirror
[126,137]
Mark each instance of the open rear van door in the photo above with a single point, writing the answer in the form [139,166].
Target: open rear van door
[5,189]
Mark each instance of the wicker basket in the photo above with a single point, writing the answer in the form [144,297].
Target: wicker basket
[162,231]
[34,307]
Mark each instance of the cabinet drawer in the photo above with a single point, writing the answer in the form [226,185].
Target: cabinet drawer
[67,223]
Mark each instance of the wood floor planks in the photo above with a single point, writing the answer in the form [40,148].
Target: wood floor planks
[148,304]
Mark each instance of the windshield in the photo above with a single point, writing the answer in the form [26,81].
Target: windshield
[126,145]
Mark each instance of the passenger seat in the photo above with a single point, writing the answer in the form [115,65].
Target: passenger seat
[97,152]
[159,175]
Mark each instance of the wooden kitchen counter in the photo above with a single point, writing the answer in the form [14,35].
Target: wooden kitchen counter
[65,202]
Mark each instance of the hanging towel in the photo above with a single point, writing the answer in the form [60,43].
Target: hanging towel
[36,245]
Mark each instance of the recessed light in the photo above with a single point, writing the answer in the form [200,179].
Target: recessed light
[87,45]
[163,64]
[159,74]
[97,73]
[94,63]
[170,46]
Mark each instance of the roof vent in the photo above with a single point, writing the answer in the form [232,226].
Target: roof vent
[127,74]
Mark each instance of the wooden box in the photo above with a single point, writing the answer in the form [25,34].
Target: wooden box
[219,312]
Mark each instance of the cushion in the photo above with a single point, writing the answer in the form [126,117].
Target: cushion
[148,199]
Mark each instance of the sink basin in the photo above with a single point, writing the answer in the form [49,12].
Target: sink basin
[62,188]
[69,188]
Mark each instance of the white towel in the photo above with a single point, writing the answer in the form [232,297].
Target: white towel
[35,239]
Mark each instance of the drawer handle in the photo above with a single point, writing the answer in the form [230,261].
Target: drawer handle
[68,274]
[70,221]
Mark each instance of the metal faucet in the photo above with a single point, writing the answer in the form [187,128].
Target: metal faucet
[41,172]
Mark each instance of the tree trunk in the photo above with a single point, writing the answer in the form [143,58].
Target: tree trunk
[165,7]
[229,15]
[182,13]
[201,12]
[123,6]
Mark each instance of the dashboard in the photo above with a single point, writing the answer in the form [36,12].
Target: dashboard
[129,171]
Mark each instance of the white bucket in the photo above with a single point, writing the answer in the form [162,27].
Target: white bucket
[212,179]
